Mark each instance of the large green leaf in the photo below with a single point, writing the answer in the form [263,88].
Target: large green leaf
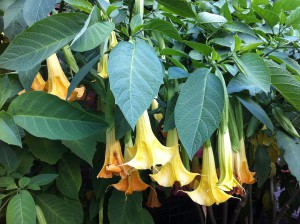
[8,158]
[13,13]
[44,149]
[179,7]
[55,209]
[27,77]
[293,18]
[41,40]
[198,110]
[144,217]
[255,75]
[240,27]
[211,19]
[21,209]
[290,149]
[83,5]
[122,210]
[35,10]
[76,208]
[270,17]
[135,74]
[9,132]
[162,26]
[55,118]
[285,83]
[69,177]
[25,160]
[43,179]
[262,165]
[285,5]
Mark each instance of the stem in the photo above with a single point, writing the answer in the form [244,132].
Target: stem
[250,218]
[200,212]
[238,208]
[101,203]
[272,199]
[225,213]
[286,206]
[211,215]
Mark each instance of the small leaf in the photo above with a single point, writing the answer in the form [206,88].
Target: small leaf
[9,132]
[6,181]
[134,71]
[69,177]
[8,157]
[238,26]
[21,209]
[83,5]
[198,110]
[9,87]
[262,164]
[179,7]
[63,121]
[25,160]
[211,19]
[270,17]
[163,27]
[23,182]
[202,48]
[43,179]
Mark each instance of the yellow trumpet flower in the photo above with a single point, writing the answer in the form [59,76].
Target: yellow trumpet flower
[207,192]
[38,83]
[57,83]
[149,152]
[102,66]
[173,170]
[227,181]
[154,106]
[113,163]
[112,40]
[241,169]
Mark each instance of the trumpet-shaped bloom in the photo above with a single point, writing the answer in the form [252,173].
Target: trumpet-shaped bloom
[173,170]
[149,152]
[131,183]
[57,83]
[102,66]
[38,83]
[207,192]
[227,181]
[112,40]
[241,169]
[113,163]
[153,201]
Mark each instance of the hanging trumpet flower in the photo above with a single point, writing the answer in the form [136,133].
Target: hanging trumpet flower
[207,192]
[173,170]
[113,163]
[57,83]
[38,84]
[147,150]
[112,40]
[102,66]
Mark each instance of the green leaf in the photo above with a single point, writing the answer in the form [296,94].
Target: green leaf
[44,149]
[289,148]
[144,217]
[13,13]
[255,77]
[9,86]
[76,207]
[169,116]
[6,181]
[262,164]
[122,210]
[211,19]
[291,64]
[134,71]
[35,10]
[136,24]
[93,33]
[257,111]
[173,52]
[202,48]
[83,5]
[21,209]
[55,118]
[27,77]
[43,179]
[285,5]
[8,157]
[270,17]
[260,2]
[163,27]
[285,83]
[69,177]
[177,73]
[240,27]
[198,110]
[41,40]
[84,148]
[293,18]
[9,132]
[23,182]
[179,7]
[25,160]
[55,209]
[121,124]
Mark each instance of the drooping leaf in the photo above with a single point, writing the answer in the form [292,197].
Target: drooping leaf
[44,149]
[163,27]
[62,121]
[198,110]
[8,158]
[262,164]
[69,177]
[290,149]
[41,40]
[55,209]
[285,83]
[257,111]
[9,132]
[21,209]
[83,5]
[179,7]
[134,71]
[255,75]
[35,10]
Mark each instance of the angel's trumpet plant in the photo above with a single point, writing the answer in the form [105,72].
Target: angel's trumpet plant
[57,83]
[153,201]
[112,40]
[102,66]
[149,152]
[113,163]
[38,83]
[207,193]
[173,170]
[154,106]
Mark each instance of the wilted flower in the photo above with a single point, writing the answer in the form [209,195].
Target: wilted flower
[57,83]
[153,201]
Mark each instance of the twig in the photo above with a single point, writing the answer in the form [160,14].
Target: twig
[225,212]
[286,206]
[238,208]
[272,199]
[211,215]
[250,218]
[200,212]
